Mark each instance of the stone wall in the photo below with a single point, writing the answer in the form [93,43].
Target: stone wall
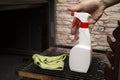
[106,24]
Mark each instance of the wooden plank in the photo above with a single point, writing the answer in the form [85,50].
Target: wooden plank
[17,7]
[21,2]
[37,76]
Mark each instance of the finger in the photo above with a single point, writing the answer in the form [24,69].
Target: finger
[75,26]
[74,30]
[91,20]
[75,8]
[96,15]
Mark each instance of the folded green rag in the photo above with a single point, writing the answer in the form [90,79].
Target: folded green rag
[49,62]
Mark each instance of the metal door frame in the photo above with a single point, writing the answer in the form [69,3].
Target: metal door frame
[51,28]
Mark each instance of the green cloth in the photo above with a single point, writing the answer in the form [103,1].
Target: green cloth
[49,62]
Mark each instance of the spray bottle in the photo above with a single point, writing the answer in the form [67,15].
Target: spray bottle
[80,54]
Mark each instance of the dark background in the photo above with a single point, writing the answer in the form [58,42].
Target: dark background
[22,33]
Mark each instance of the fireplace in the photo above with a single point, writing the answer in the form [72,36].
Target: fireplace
[25,29]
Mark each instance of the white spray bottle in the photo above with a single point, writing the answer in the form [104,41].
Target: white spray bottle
[80,54]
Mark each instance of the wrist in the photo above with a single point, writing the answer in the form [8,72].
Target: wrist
[109,3]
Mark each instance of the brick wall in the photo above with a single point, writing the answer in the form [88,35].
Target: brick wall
[106,24]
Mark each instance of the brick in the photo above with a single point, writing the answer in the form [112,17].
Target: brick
[104,26]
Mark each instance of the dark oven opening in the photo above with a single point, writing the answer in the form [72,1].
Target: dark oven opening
[24,29]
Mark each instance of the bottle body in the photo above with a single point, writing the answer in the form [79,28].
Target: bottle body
[84,38]
[80,55]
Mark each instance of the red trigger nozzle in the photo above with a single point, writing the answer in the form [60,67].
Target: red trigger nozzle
[72,13]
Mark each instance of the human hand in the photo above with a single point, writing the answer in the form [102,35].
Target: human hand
[93,7]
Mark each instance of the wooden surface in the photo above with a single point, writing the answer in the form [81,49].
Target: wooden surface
[15,2]
[37,76]
[20,4]
[95,71]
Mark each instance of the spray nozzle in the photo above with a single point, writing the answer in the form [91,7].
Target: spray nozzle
[83,18]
